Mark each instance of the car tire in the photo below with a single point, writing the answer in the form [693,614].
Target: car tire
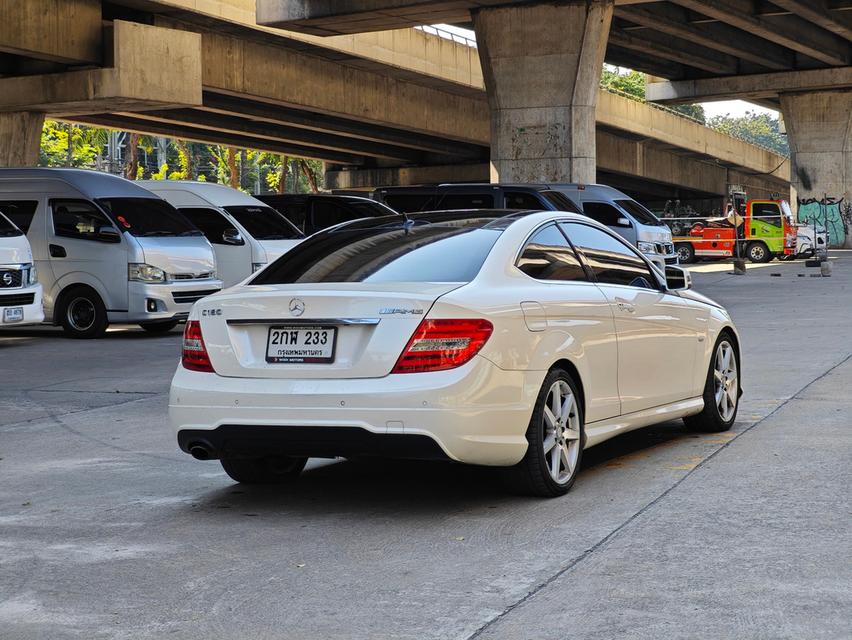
[685,252]
[159,327]
[721,390]
[267,470]
[758,252]
[82,314]
[556,438]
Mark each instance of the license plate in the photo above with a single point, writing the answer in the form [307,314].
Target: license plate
[307,345]
[13,314]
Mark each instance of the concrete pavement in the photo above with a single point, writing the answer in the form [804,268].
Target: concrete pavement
[108,531]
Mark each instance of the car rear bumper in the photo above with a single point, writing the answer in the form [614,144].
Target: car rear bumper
[477,414]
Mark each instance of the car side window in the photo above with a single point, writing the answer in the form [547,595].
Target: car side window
[602,212]
[212,223]
[20,212]
[611,260]
[77,219]
[326,213]
[548,256]
[522,200]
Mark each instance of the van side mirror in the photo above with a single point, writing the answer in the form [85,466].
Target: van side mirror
[623,222]
[108,234]
[232,236]
[678,278]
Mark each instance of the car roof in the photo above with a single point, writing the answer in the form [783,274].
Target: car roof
[92,184]
[223,195]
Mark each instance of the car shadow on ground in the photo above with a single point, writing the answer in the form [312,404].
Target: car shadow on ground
[24,335]
[416,487]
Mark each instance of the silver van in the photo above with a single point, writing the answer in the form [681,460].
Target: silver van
[626,217]
[107,250]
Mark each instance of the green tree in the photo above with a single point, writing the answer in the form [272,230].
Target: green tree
[632,83]
[757,128]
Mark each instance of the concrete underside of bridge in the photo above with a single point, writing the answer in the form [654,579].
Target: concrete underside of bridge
[378,106]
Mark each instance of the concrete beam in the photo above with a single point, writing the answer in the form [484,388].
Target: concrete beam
[66,31]
[20,139]
[751,87]
[802,37]
[147,68]
[542,68]
[818,12]
[720,37]
[676,50]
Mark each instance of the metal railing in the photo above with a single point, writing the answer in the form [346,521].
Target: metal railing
[447,35]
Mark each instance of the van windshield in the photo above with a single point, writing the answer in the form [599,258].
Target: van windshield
[639,212]
[264,223]
[7,229]
[148,217]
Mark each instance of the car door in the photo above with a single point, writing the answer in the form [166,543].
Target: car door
[659,333]
[79,254]
[576,314]
[233,257]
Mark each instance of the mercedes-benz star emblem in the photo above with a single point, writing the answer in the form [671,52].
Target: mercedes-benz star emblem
[7,279]
[297,306]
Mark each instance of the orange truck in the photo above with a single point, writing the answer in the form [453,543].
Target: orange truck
[768,230]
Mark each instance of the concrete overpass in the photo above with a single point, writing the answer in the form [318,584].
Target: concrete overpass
[380,108]
[792,54]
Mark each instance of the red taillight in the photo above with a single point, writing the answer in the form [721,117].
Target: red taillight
[443,344]
[194,356]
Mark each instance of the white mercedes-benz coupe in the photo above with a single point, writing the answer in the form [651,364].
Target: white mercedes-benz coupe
[511,339]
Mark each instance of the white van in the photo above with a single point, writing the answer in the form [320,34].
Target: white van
[107,250]
[246,234]
[20,292]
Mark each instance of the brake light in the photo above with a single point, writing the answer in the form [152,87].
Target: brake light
[438,345]
[194,356]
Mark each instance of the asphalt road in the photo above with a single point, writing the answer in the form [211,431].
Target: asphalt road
[107,530]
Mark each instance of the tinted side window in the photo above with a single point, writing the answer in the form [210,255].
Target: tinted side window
[212,223]
[602,212]
[410,202]
[20,212]
[548,256]
[450,201]
[521,200]
[77,219]
[612,261]
[326,213]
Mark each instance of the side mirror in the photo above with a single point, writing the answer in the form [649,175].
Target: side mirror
[232,236]
[109,234]
[678,278]
[623,222]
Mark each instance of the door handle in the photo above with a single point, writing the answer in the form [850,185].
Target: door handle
[57,251]
[626,306]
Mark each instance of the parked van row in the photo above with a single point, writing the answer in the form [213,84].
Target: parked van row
[83,249]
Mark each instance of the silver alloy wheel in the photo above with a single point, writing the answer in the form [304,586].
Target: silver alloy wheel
[561,428]
[81,314]
[725,376]
[757,253]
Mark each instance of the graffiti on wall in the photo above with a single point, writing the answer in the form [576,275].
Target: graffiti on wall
[834,214]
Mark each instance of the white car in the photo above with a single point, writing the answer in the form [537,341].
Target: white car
[20,292]
[485,337]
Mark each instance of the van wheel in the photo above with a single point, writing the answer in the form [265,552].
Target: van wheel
[556,439]
[83,314]
[269,470]
[159,327]
[758,252]
[685,253]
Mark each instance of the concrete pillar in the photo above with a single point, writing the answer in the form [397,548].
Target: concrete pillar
[819,130]
[542,66]
[20,138]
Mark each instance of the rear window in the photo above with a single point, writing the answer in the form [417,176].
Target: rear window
[148,217]
[7,229]
[264,223]
[639,212]
[390,253]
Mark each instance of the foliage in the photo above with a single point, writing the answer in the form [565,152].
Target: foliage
[758,128]
[633,83]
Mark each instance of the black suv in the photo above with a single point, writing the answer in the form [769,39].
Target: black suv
[314,212]
[474,196]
